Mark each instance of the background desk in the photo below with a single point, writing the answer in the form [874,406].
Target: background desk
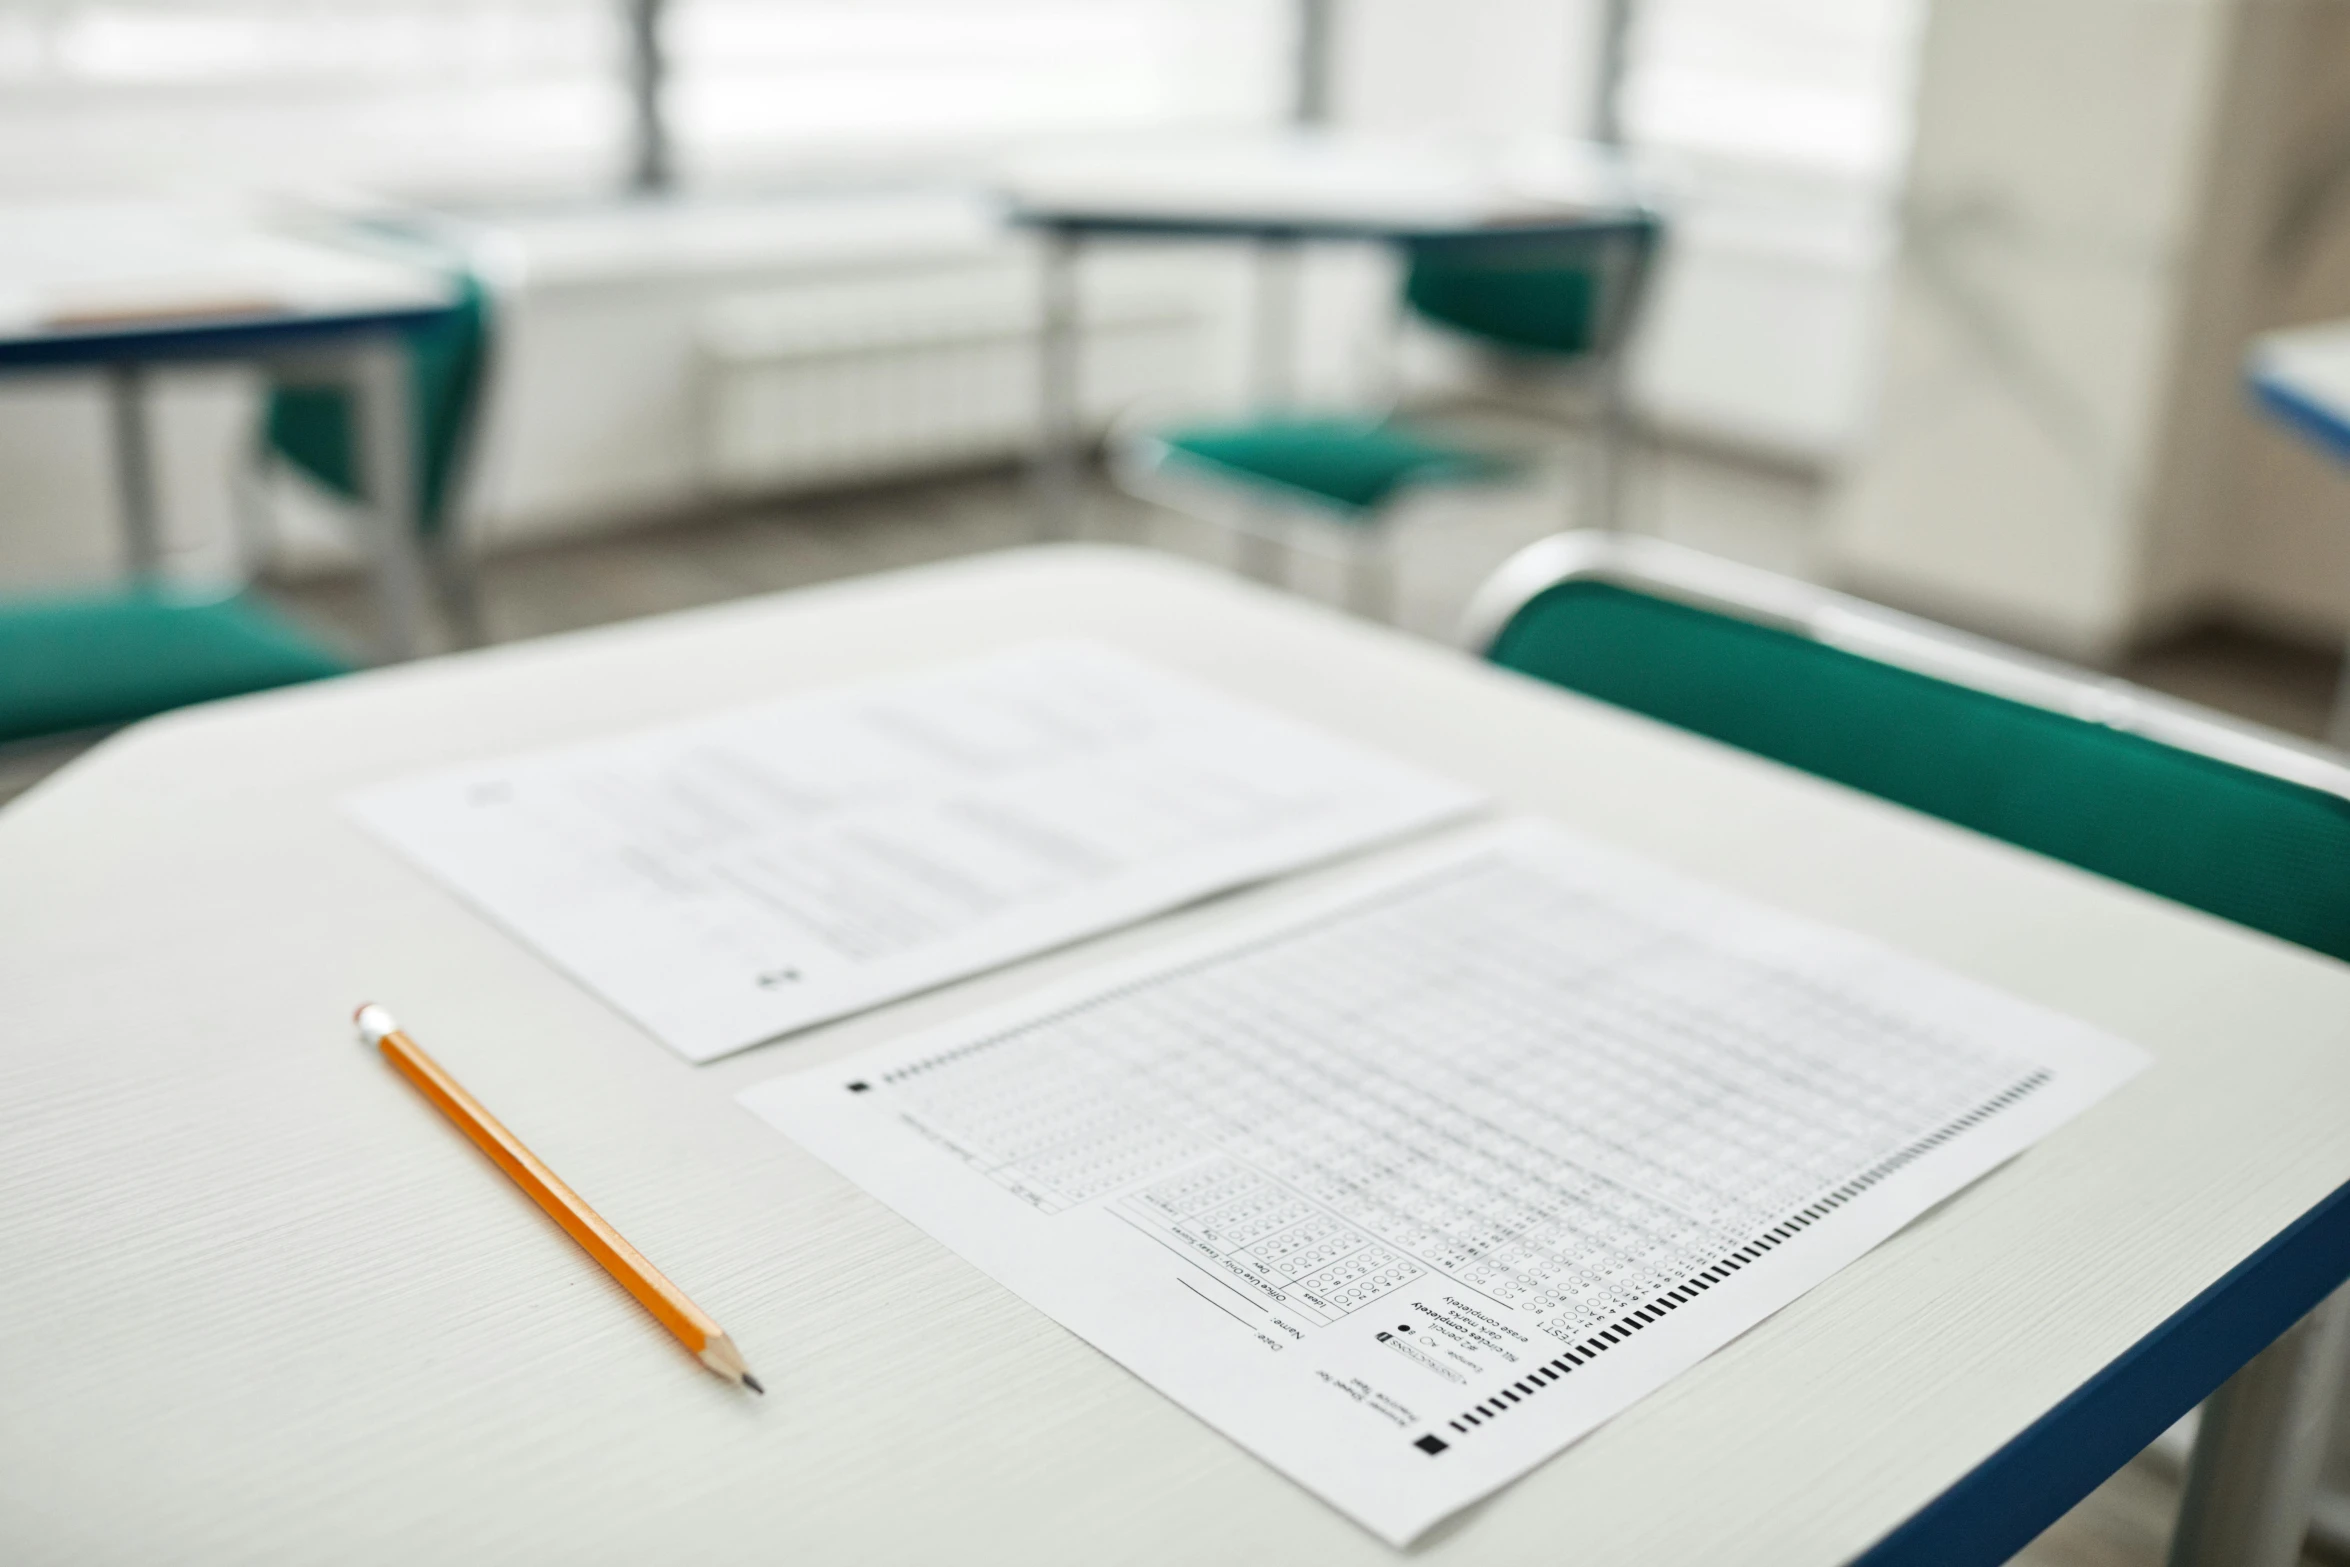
[264,1304]
[123,287]
[1278,192]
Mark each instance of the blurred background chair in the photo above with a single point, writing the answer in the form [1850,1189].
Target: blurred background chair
[78,663]
[1562,307]
[2173,799]
[311,428]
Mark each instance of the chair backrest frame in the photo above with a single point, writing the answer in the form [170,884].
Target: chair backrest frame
[1620,258]
[1871,631]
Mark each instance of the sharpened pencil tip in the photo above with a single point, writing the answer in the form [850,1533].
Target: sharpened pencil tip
[752,1383]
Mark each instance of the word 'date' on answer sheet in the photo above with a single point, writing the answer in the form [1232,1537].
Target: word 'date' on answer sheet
[732,878]
[1408,1187]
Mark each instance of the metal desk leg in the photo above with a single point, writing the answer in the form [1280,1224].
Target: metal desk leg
[1059,436]
[1603,493]
[2338,727]
[134,469]
[387,456]
[1273,374]
[1370,580]
[1603,484]
[1260,548]
[2259,1448]
[1265,552]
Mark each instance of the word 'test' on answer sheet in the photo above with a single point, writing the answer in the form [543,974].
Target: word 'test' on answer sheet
[728,879]
[1408,1187]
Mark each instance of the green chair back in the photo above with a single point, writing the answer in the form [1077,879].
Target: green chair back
[1556,298]
[313,428]
[91,661]
[2261,851]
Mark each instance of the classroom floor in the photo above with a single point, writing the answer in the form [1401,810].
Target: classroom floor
[1731,506]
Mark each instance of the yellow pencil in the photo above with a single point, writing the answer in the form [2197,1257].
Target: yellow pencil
[664,1300]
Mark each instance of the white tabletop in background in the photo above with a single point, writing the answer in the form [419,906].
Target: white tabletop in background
[263,1305]
[2313,362]
[1338,179]
[184,259]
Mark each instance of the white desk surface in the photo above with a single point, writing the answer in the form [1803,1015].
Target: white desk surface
[263,1305]
[114,263]
[1345,180]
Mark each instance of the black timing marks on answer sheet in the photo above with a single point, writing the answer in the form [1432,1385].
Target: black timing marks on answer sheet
[1639,1317]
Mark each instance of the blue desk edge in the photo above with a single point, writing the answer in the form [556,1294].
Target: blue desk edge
[2323,425]
[200,338]
[1631,221]
[2006,1500]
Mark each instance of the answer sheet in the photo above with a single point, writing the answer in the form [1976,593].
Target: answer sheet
[1409,1186]
[733,878]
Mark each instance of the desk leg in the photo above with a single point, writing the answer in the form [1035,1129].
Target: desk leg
[2338,727]
[387,456]
[1264,551]
[1603,482]
[1370,578]
[1273,375]
[1059,436]
[134,469]
[1260,547]
[2259,1448]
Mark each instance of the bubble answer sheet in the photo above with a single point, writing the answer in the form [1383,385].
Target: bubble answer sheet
[732,878]
[1409,1185]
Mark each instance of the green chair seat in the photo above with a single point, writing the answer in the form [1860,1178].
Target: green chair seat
[2258,850]
[92,661]
[1353,466]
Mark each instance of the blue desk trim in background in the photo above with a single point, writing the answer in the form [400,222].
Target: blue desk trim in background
[227,337]
[2323,425]
[1295,230]
[2027,1485]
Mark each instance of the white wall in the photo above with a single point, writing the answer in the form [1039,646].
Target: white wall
[2096,207]
[598,410]
[1496,66]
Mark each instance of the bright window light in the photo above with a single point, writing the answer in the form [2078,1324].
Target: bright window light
[1818,85]
[435,96]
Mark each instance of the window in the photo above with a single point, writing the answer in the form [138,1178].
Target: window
[781,81]
[446,96]
[1813,85]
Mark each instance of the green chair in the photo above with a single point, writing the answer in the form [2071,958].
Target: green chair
[312,429]
[80,663]
[1544,302]
[2167,797]
[73,664]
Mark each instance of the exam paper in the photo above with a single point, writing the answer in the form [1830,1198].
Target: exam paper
[733,878]
[1406,1189]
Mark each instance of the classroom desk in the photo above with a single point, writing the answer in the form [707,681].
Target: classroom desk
[265,1304]
[1278,192]
[123,287]
[2302,377]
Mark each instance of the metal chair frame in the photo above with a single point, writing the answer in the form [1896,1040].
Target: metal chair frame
[2252,1483]
[1269,526]
[1856,626]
